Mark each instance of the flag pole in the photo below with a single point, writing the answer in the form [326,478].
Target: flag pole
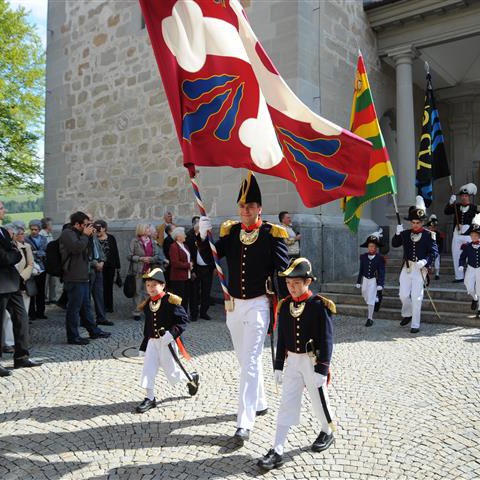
[394,196]
[221,276]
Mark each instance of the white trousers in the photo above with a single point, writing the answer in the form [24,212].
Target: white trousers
[369,290]
[299,373]
[248,325]
[411,293]
[156,356]
[7,333]
[458,240]
[472,282]
[437,265]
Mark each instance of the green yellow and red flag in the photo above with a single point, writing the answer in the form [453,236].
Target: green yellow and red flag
[364,123]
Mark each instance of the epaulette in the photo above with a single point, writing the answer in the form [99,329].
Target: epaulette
[143,304]
[226,227]
[174,299]
[280,302]
[277,231]
[327,303]
[434,235]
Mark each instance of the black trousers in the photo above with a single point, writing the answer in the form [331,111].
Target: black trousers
[108,280]
[182,289]
[201,288]
[37,303]
[13,302]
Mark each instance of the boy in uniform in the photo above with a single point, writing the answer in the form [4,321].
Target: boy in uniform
[165,321]
[371,275]
[305,340]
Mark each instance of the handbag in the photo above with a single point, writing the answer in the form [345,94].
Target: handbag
[130,284]
[118,280]
[31,287]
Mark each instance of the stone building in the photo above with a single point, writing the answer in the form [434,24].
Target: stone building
[110,145]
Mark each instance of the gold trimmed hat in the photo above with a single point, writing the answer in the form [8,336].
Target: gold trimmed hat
[417,211]
[249,190]
[298,268]
[375,237]
[154,274]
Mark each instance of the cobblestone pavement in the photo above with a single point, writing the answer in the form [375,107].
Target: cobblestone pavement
[407,407]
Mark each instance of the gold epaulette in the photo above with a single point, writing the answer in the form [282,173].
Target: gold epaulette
[143,304]
[174,299]
[226,227]
[327,303]
[277,231]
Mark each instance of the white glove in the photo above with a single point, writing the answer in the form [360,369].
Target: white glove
[379,288]
[460,269]
[166,339]
[453,199]
[278,375]
[399,229]
[421,263]
[204,226]
[320,379]
[357,285]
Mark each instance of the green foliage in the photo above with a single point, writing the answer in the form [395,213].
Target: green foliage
[22,77]
[32,205]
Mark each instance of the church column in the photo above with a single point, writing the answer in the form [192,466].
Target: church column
[405,128]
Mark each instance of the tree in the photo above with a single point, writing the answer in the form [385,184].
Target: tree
[22,85]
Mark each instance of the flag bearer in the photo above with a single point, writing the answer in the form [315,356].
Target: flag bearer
[305,342]
[419,253]
[254,250]
[371,275]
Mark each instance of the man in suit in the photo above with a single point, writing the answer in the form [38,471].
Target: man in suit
[11,298]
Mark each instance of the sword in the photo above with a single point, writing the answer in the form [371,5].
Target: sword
[429,296]
[271,326]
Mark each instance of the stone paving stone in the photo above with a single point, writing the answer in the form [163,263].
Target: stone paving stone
[406,407]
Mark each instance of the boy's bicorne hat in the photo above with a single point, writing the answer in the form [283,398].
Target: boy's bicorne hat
[432,220]
[298,268]
[249,190]
[154,274]
[375,237]
[475,226]
[469,189]
[417,211]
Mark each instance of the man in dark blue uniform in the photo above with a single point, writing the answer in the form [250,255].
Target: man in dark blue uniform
[254,250]
[305,341]
[419,253]
[470,260]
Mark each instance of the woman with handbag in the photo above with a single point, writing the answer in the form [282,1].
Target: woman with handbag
[111,268]
[144,254]
[27,287]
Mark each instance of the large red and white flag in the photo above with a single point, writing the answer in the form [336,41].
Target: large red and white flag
[232,108]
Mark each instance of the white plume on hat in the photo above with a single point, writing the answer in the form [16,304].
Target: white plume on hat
[470,188]
[420,203]
[432,217]
[476,219]
[378,234]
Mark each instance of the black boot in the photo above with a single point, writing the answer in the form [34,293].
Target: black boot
[241,435]
[369,322]
[193,385]
[405,321]
[25,363]
[271,460]
[322,442]
[146,405]
[474,305]
[4,372]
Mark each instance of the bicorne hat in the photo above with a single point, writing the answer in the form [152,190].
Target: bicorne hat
[375,237]
[417,211]
[469,189]
[298,268]
[154,274]
[249,190]
[432,220]
[475,226]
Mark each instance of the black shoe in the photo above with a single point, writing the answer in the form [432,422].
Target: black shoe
[241,435]
[146,405]
[193,385]
[205,316]
[100,334]
[322,442]
[474,305]
[105,322]
[369,322]
[4,372]
[457,281]
[25,363]
[437,277]
[414,330]
[42,317]
[261,413]
[271,460]
[79,341]
[405,321]
[136,317]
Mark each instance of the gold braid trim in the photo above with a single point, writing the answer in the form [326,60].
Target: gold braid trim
[277,231]
[226,227]
[174,299]
[281,302]
[143,304]
[327,303]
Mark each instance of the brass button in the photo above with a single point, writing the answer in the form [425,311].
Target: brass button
[298,334]
[243,295]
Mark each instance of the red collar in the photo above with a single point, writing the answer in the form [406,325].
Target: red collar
[157,297]
[476,243]
[303,297]
[253,227]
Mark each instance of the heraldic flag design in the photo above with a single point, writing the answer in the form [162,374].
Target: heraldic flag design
[232,108]
[364,122]
[432,159]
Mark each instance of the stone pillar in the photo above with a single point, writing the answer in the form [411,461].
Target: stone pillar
[461,163]
[405,129]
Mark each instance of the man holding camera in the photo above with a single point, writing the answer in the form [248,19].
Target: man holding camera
[74,249]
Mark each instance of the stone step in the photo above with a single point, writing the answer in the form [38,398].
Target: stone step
[453,293]
[463,320]
[447,306]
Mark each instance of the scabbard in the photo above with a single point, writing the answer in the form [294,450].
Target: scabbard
[326,410]
[176,359]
